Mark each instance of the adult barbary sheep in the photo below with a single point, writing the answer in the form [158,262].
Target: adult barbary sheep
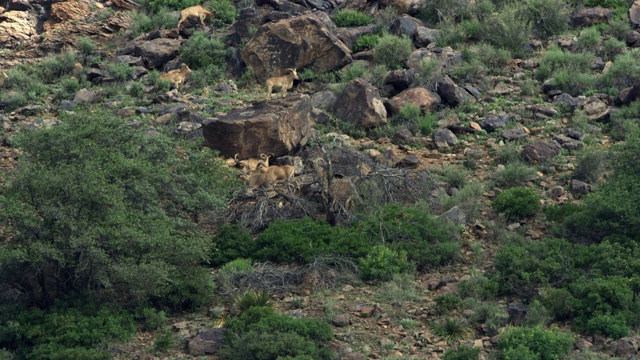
[280,173]
[283,83]
[195,11]
[177,76]
[251,164]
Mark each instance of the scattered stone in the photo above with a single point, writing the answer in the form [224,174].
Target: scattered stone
[539,151]
[66,105]
[444,139]
[411,161]
[626,347]
[85,96]
[572,133]
[555,192]
[596,109]
[541,109]
[591,16]
[451,94]
[427,100]
[494,122]
[206,342]
[567,100]
[425,36]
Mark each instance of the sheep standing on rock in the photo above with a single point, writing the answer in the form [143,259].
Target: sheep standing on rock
[197,12]
[178,76]
[283,83]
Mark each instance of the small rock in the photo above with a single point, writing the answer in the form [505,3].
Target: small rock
[514,134]
[341,320]
[555,192]
[579,187]
[84,96]
[455,215]
[444,138]
[567,142]
[206,343]
[572,133]
[494,122]
[67,105]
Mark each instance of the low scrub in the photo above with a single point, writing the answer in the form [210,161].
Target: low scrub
[392,51]
[534,343]
[346,17]
[517,203]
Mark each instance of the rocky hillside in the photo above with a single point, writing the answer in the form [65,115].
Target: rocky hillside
[464,178]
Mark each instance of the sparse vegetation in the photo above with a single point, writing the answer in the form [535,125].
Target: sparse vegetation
[346,17]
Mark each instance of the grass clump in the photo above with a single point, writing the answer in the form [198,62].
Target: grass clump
[346,17]
[382,263]
[516,203]
[452,329]
[463,352]
[144,22]
[514,174]
[366,42]
[509,29]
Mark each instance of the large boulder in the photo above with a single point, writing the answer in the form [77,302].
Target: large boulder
[155,53]
[65,11]
[539,151]
[405,26]
[16,27]
[360,103]
[279,126]
[298,42]
[630,94]
[206,342]
[592,16]
[403,6]
[446,56]
[452,94]
[427,100]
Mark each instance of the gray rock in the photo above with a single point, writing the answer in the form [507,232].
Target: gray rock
[572,133]
[425,36]
[85,96]
[591,16]
[399,80]
[405,26]
[579,187]
[402,134]
[541,109]
[206,343]
[494,122]
[66,105]
[455,215]
[565,99]
[360,104]
[341,320]
[349,35]
[567,142]
[444,139]
[323,100]
[514,134]
[626,347]
[411,161]
[539,151]
[188,129]
[157,52]
[517,312]
[555,192]
[451,94]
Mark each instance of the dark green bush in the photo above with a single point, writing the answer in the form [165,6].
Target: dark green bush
[225,11]
[120,71]
[571,71]
[230,243]
[189,288]
[516,203]
[300,240]
[85,45]
[346,17]
[97,205]
[392,51]
[514,174]
[599,296]
[590,165]
[262,334]
[381,263]
[463,352]
[411,117]
[559,212]
[200,52]
[624,69]
[509,29]
[549,17]
[54,67]
[610,4]
[446,303]
[534,343]
[614,327]
[152,319]
[365,42]
[64,332]
[427,239]
[145,23]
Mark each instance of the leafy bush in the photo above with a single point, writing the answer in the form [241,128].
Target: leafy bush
[603,295]
[251,298]
[152,319]
[516,203]
[365,42]
[613,47]
[98,205]
[238,265]
[549,17]
[535,342]
[589,39]
[300,240]
[454,176]
[346,17]
[611,326]
[490,315]
[446,303]
[85,45]
[156,6]
[571,71]
[381,263]
[590,165]
[230,243]
[514,174]
[624,120]
[411,117]
[392,51]
[478,287]
[200,52]
[468,199]
[509,29]
[624,69]
[261,334]
[452,329]
[225,11]
[355,70]
[120,71]
[427,239]
[463,352]
[610,4]
[64,331]
[54,67]
[190,288]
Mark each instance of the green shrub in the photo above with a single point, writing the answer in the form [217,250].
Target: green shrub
[200,52]
[450,33]
[14,100]
[68,88]
[573,83]
[152,319]
[468,199]
[559,212]
[624,120]
[614,327]
[190,288]
[613,47]
[355,70]
[490,316]
[514,174]
[365,42]
[238,265]
[85,45]
[346,17]
[145,23]
[454,176]
[136,90]
[163,341]
[589,39]
[251,298]
[549,17]
[571,71]
[590,165]
[261,334]
[120,71]
[230,243]
[62,331]
[624,69]
[516,203]
[610,4]
[542,344]
[381,263]
[428,71]
[610,295]
[463,352]
[156,6]
[478,287]
[619,26]
[54,67]
[225,11]
[509,29]
[392,51]
[446,303]
[428,240]
[452,329]
[299,241]
[90,173]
